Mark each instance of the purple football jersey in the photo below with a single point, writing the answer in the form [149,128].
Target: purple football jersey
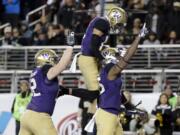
[110,98]
[44,92]
[86,41]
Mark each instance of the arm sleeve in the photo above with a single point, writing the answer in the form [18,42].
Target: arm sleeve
[45,70]
[102,25]
[95,44]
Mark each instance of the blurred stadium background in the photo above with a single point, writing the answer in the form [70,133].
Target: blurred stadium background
[27,26]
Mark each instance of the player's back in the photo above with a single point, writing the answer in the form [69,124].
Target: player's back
[110,98]
[44,91]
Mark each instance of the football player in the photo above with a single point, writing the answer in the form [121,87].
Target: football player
[96,34]
[45,88]
[109,104]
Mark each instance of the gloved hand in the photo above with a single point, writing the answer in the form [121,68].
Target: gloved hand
[122,51]
[70,39]
[143,31]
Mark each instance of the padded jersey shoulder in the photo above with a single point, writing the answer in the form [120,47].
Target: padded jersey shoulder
[103,25]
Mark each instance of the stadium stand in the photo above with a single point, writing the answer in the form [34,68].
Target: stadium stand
[140,76]
[153,66]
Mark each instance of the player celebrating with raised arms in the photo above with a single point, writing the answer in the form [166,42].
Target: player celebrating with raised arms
[45,87]
[96,34]
[110,98]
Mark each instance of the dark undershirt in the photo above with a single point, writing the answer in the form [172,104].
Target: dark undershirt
[103,26]
[45,70]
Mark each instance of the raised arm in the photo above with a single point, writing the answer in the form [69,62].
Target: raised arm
[123,61]
[62,64]
[64,61]
[101,28]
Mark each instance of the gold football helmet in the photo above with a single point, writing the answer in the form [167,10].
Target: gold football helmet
[45,56]
[116,16]
[109,55]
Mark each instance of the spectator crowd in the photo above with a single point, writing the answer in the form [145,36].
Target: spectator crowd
[62,15]
[162,120]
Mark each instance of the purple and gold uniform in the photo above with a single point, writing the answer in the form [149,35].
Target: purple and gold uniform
[88,61]
[109,104]
[45,88]
[37,118]
[44,91]
[97,33]
[110,99]
[110,78]
[99,23]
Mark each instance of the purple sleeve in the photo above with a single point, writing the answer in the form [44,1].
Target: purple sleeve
[45,70]
[102,25]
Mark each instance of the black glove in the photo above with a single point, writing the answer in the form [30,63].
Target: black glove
[70,39]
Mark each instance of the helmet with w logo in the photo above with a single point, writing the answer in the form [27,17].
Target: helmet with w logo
[109,55]
[45,56]
[117,16]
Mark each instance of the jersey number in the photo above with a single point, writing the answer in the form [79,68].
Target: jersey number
[33,87]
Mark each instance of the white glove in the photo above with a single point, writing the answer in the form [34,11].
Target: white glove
[143,31]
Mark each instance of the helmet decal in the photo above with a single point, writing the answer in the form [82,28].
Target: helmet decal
[116,16]
[45,56]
